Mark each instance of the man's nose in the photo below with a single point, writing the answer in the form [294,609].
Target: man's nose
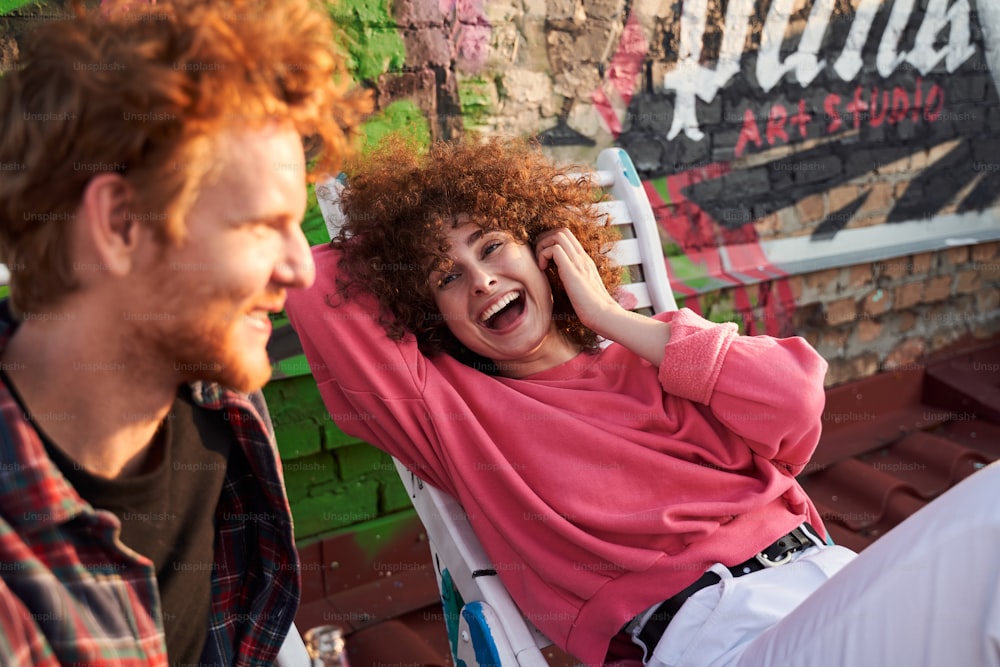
[296,268]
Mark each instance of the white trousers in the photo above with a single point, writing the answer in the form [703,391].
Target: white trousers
[925,594]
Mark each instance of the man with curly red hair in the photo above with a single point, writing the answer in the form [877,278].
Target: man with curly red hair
[151,229]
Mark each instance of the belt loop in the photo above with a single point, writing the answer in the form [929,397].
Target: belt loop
[814,535]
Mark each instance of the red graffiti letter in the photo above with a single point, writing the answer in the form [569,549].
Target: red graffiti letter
[937,95]
[918,101]
[801,119]
[876,117]
[749,132]
[830,107]
[776,124]
[900,105]
[857,106]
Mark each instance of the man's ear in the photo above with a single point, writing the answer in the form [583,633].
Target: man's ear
[109,230]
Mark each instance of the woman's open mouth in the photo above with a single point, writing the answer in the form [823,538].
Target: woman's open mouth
[504,312]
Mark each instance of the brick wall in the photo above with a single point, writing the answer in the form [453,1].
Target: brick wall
[815,156]
[333,481]
[799,133]
[892,314]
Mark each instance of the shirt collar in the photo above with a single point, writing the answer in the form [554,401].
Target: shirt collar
[34,494]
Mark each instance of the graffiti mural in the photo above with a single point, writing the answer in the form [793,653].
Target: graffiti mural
[753,121]
[857,94]
[876,113]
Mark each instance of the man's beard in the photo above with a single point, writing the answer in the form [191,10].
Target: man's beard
[211,355]
[204,343]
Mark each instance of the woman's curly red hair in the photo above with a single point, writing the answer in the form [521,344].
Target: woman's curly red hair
[401,201]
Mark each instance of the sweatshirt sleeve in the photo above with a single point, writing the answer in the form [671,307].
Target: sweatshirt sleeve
[371,385]
[769,391]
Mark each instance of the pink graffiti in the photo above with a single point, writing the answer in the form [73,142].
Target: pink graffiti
[701,238]
[470,32]
[622,74]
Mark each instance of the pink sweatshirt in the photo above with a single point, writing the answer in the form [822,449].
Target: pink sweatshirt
[597,487]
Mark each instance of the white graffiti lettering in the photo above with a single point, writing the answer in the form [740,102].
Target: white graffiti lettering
[690,79]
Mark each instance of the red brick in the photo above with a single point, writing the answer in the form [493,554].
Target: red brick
[841,196]
[767,226]
[410,12]
[937,289]
[956,256]
[908,295]
[810,209]
[988,300]
[906,321]
[426,47]
[879,199]
[838,312]
[989,269]
[922,263]
[868,330]
[983,252]
[967,282]
[795,285]
[859,275]
[846,370]
[876,302]
[838,372]
[893,268]
[825,280]
[864,365]
[906,353]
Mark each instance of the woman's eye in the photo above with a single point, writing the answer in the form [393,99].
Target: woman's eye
[448,278]
[491,246]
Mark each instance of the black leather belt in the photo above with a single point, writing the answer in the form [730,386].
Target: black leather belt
[778,553]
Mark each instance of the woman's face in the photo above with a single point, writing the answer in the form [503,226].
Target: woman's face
[497,302]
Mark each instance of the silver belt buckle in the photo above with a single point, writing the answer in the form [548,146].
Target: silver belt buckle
[767,562]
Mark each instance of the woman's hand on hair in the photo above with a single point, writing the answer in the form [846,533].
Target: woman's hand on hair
[597,309]
[579,276]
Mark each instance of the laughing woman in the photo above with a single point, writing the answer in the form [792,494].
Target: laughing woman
[635,497]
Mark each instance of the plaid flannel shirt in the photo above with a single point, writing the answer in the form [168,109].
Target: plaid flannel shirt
[71,593]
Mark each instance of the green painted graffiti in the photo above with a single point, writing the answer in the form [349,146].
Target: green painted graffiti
[476,95]
[371,37]
[8,6]
[403,117]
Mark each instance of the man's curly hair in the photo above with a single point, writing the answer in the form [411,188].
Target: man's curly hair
[401,201]
[141,90]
